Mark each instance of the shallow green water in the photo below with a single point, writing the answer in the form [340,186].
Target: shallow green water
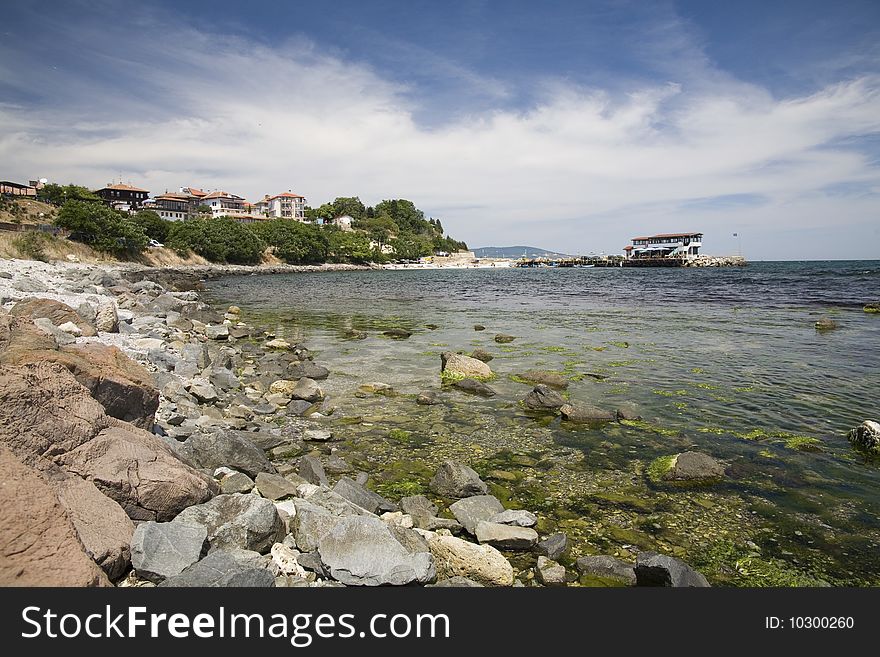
[724,361]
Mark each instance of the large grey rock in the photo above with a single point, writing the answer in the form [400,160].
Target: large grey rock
[359,495]
[454,557]
[505,537]
[460,366]
[364,551]
[518,517]
[231,448]
[653,569]
[202,390]
[687,468]
[274,486]
[163,549]
[454,479]
[471,510]
[607,567]
[312,471]
[223,568]
[310,523]
[418,505]
[243,521]
[553,547]
[307,390]
[543,398]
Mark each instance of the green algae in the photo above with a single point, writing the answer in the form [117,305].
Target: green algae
[621,344]
[647,426]
[669,393]
[660,467]
[803,444]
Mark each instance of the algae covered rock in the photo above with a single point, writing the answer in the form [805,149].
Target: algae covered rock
[687,469]
[458,366]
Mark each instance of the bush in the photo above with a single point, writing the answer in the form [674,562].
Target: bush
[292,241]
[101,227]
[32,245]
[155,227]
[221,240]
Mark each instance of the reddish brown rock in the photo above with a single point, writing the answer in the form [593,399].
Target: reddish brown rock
[56,312]
[125,389]
[103,527]
[38,544]
[44,412]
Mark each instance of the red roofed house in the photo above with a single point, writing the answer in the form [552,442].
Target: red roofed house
[285,206]
[666,245]
[123,197]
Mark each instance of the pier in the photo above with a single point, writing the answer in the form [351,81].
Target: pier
[621,261]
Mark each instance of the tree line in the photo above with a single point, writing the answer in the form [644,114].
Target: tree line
[397,224]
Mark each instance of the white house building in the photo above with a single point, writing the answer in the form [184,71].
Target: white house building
[224,204]
[344,222]
[284,206]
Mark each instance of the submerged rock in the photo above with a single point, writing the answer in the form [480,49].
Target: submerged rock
[542,398]
[502,338]
[397,333]
[427,398]
[653,569]
[459,366]
[551,379]
[607,567]
[482,354]
[454,479]
[826,324]
[688,468]
[586,414]
[866,437]
[873,307]
[474,387]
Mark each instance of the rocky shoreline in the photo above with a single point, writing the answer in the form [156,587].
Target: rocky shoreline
[149,439]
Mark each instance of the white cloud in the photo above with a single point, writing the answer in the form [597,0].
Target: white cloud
[582,170]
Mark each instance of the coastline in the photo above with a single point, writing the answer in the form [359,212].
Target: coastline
[228,416]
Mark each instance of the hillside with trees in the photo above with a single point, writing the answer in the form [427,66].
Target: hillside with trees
[392,230]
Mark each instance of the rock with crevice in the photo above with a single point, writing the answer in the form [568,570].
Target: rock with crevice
[244,521]
[454,479]
[164,549]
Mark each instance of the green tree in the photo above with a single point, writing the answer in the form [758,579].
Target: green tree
[405,214]
[350,247]
[350,205]
[103,228]
[58,194]
[152,224]
[218,240]
[293,241]
[410,247]
[380,228]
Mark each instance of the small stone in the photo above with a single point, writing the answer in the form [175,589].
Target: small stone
[471,510]
[518,517]
[317,435]
[278,343]
[238,482]
[505,537]
[550,573]
[607,567]
[217,332]
[483,355]
[474,387]
[502,338]
[553,547]
[427,398]
[479,327]
[312,471]
[70,327]
[543,398]
[454,479]
[826,324]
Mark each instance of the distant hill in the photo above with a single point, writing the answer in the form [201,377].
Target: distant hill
[515,252]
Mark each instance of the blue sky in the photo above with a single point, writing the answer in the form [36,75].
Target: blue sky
[572,126]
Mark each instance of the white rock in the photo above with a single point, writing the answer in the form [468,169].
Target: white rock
[70,327]
[284,562]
